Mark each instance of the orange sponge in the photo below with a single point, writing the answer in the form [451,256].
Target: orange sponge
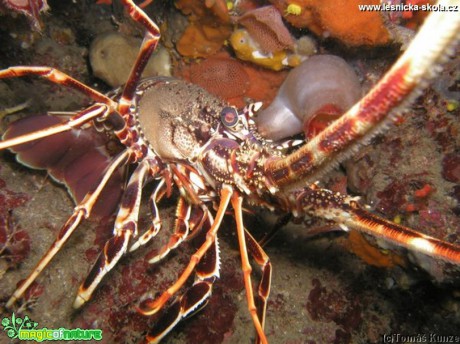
[233,80]
[224,77]
[340,19]
[209,27]
[370,254]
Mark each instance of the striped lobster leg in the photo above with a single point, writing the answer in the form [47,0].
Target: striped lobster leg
[82,210]
[195,297]
[125,228]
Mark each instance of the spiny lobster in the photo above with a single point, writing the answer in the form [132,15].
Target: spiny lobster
[215,157]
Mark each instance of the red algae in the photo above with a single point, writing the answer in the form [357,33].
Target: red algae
[215,321]
[14,241]
[451,167]
[332,305]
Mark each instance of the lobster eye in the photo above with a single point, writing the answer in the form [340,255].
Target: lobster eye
[229,117]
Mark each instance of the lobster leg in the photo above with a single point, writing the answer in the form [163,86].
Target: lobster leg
[395,91]
[149,44]
[125,228]
[262,259]
[182,227]
[59,78]
[347,212]
[184,184]
[82,117]
[82,210]
[156,220]
[152,307]
[198,217]
[195,298]
[104,105]
[246,267]
[181,230]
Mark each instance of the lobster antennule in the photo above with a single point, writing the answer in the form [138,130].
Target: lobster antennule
[195,297]
[154,306]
